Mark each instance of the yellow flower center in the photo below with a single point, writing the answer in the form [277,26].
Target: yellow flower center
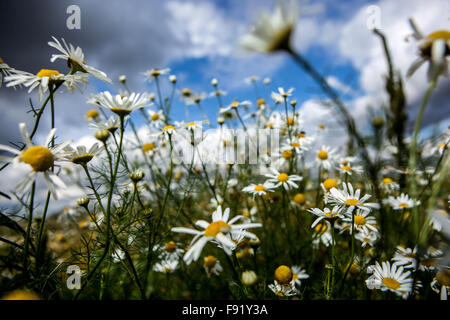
[170,246]
[330,183]
[403,205]
[269,125]
[156,72]
[186,92]
[80,159]
[360,220]
[47,73]
[39,158]
[148,147]
[301,134]
[1,61]
[295,144]
[391,283]
[260,188]
[322,155]
[440,34]
[287,154]
[283,177]
[443,277]
[321,126]
[215,227]
[60,237]
[235,104]
[441,145]
[290,121]
[191,124]
[300,198]
[346,168]
[351,202]
[387,180]
[260,102]
[210,261]
[92,114]
[167,128]
[320,228]
[283,274]
[21,295]
[155,117]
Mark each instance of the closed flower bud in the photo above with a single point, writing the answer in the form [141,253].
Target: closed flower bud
[83,202]
[249,278]
[102,135]
[137,175]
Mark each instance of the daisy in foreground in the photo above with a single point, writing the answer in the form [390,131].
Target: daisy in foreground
[40,159]
[278,179]
[434,48]
[220,231]
[44,79]
[389,277]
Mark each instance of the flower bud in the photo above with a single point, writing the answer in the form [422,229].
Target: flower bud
[249,277]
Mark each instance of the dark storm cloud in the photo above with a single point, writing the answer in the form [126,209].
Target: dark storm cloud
[116,36]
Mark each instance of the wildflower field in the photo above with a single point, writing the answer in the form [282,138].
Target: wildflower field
[246,205]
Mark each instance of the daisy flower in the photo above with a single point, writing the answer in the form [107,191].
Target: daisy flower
[298,274]
[272,32]
[297,145]
[212,266]
[80,155]
[322,234]
[40,159]
[405,257]
[442,280]
[325,214]
[220,231]
[283,290]
[155,73]
[112,124]
[259,189]
[283,179]
[234,105]
[75,58]
[389,277]
[281,95]
[401,202]
[348,168]
[362,221]
[326,186]
[122,105]
[433,48]
[351,199]
[428,262]
[43,79]
[4,70]
[169,251]
[324,157]
[166,266]
[367,237]
[388,185]
[157,118]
